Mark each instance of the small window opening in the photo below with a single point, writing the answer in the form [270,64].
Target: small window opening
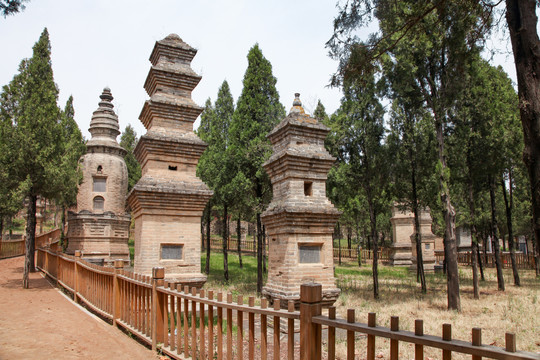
[427,246]
[100,169]
[308,188]
[99,203]
[173,168]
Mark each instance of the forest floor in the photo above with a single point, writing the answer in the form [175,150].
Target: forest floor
[42,323]
[496,312]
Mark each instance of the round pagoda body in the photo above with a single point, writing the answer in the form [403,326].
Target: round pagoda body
[100,228]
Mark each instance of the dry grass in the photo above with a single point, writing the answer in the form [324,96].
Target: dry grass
[515,310]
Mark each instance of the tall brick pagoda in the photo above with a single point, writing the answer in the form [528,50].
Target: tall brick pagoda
[168,201]
[300,219]
[100,228]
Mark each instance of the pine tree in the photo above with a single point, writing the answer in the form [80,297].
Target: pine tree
[31,104]
[128,141]
[258,110]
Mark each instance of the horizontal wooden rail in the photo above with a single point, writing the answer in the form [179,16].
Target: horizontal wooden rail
[426,340]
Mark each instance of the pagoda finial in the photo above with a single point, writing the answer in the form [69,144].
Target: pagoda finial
[106,98]
[297,105]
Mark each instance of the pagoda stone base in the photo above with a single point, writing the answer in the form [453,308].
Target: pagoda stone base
[401,255]
[99,236]
[329,296]
[153,232]
[428,253]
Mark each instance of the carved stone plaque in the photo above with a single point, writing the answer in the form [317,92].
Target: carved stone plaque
[309,254]
[171,252]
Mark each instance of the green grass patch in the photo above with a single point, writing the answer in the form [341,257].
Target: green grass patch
[241,280]
[351,269]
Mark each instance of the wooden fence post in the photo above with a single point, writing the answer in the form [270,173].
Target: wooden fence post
[118,265]
[78,255]
[310,333]
[158,274]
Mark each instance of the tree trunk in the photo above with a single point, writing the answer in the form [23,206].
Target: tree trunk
[494,238]
[420,275]
[239,240]
[522,24]
[349,239]
[508,208]
[480,265]
[339,242]
[30,240]
[203,242]
[63,239]
[373,224]
[1,232]
[208,240]
[339,251]
[474,234]
[225,243]
[259,255]
[264,248]
[449,215]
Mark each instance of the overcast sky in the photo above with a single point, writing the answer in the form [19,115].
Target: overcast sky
[102,43]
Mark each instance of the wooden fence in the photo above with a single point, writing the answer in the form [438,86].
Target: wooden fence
[249,247]
[11,248]
[523,261]
[192,323]
[16,245]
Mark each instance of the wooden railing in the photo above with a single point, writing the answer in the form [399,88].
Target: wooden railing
[11,248]
[249,247]
[47,238]
[192,323]
[523,261]
[17,245]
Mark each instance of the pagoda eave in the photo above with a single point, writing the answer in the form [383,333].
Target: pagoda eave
[169,110]
[171,50]
[168,199]
[166,147]
[175,78]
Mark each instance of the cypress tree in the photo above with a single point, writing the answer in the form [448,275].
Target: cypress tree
[71,176]
[258,111]
[128,141]
[29,102]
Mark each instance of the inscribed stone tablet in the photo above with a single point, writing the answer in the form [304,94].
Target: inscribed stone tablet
[171,252]
[309,254]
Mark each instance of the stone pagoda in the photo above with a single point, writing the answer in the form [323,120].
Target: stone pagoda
[404,247]
[427,238]
[100,228]
[402,229]
[300,219]
[168,201]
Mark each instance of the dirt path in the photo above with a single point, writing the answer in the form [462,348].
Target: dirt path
[40,323]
